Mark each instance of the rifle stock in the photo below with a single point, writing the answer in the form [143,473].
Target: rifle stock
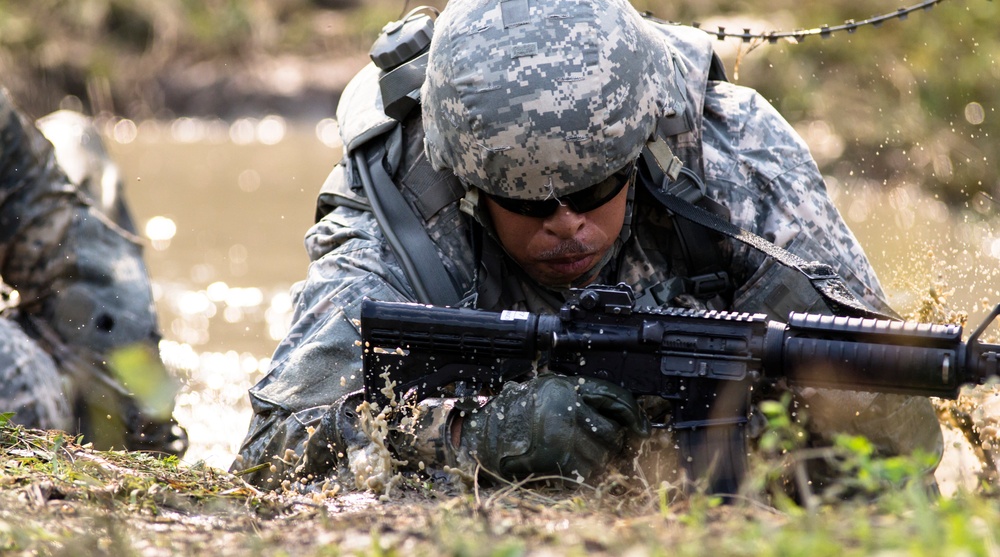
[704,362]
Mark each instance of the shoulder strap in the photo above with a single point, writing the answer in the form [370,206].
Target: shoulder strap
[404,232]
[699,246]
[823,278]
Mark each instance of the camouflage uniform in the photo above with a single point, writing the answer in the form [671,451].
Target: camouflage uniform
[752,162]
[69,250]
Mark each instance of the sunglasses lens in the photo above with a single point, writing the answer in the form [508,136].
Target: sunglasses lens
[582,201]
[597,195]
[536,209]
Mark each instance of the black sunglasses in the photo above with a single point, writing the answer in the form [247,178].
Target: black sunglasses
[580,202]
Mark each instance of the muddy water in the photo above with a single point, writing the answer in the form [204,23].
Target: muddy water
[225,205]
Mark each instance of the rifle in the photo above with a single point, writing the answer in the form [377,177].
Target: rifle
[705,363]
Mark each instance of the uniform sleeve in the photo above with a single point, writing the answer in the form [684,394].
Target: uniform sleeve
[760,168]
[319,361]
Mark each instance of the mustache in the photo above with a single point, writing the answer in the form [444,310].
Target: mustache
[568,248]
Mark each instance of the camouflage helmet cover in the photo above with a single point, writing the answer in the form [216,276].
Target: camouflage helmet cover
[529,99]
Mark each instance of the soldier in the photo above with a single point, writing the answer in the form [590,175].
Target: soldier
[78,333]
[533,164]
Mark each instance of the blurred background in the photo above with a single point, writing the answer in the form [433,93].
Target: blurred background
[220,114]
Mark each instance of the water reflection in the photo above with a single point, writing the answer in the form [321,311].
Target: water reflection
[916,242]
[213,405]
[269,130]
[160,230]
[225,207]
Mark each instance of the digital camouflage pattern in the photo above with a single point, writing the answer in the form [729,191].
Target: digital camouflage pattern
[533,100]
[83,291]
[753,163]
[30,384]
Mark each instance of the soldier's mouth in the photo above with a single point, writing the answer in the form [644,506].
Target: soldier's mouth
[570,266]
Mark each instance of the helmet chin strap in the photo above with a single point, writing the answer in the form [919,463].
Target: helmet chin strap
[626,231]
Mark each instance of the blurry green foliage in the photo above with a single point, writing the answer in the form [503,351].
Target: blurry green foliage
[138,368]
[910,101]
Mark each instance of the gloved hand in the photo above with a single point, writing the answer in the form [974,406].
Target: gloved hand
[338,430]
[552,425]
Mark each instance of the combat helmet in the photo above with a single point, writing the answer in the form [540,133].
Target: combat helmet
[530,99]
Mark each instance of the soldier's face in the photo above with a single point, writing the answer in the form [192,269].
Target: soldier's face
[563,247]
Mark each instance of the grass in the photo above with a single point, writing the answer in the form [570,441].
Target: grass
[58,497]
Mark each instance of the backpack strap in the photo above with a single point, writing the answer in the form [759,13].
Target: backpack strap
[823,278]
[700,247]
[407,235]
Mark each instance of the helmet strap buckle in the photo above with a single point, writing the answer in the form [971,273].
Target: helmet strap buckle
[664,157]
[469,204]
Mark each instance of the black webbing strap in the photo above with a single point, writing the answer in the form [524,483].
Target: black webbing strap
[698,244]
[432,190]
[824,279]
[404,232]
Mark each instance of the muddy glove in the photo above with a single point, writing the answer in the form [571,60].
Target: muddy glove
[338,431]
[552,425]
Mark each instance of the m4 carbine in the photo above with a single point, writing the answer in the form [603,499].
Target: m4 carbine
[704,362]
